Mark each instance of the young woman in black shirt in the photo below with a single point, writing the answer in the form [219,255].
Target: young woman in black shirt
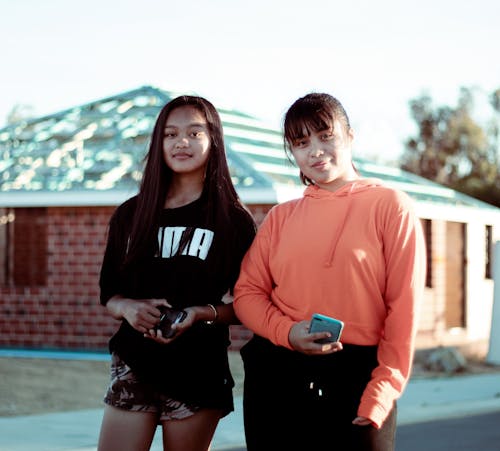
[178,243]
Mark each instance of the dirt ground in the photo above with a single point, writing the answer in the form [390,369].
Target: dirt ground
[33,386]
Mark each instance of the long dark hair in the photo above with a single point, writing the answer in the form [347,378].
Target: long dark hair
[218,188]
[312,113]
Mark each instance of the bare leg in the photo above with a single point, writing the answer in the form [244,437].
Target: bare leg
[126,430]
[194,433]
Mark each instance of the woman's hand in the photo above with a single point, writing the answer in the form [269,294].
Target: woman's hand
[361,421]
[179,328]
[142,314]
[225,315]
[301,340]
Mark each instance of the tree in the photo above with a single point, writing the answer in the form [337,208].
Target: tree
[452,149]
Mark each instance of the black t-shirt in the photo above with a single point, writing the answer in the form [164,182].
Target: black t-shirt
[194,367]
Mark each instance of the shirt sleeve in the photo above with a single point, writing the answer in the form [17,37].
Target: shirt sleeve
[405,259]
[114,254]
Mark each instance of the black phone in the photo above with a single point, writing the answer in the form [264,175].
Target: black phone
[168,317]
[323,323]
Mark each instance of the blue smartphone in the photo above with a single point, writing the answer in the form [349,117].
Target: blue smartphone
[323,323]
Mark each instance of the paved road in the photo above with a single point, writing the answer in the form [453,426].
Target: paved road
[432,415]
[473,433]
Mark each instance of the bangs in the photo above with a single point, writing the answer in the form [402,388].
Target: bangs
[306,119]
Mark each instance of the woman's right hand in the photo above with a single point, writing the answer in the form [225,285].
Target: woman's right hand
[142,314]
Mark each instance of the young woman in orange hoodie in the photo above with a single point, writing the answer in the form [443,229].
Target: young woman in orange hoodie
[350,248]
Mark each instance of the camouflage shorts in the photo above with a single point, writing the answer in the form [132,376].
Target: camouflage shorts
[126,392]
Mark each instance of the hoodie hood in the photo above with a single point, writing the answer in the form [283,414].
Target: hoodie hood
[347,190]
[354,187]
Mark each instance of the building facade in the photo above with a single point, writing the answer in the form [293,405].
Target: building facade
[62,176]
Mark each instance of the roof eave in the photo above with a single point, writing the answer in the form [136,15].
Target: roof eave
[86,198]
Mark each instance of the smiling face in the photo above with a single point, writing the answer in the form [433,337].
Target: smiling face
[186,142]
[324,156]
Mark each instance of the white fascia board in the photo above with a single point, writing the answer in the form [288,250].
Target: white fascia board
[272,195]
[64,198]
[285,192]
[456,213]
[257,195]
[15,199]
[275,195]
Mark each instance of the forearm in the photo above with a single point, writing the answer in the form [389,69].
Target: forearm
[264,318]
[116,306]
[222,313]
[395,357]
[387,383]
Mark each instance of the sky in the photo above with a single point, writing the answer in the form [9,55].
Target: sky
[255,56]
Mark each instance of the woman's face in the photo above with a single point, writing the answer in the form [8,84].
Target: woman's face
[186,142]
[325,156]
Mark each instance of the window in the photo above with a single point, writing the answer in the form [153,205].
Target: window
[23,246]
[6,219]
[427,227]
[488,270]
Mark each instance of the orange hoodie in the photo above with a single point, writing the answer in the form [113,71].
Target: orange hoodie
[356,254]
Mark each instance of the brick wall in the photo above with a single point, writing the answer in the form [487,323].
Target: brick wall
[63,312]
[54,303]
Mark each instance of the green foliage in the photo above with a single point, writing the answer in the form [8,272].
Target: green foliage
[452,149]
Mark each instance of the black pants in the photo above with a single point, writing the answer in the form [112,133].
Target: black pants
[296,402]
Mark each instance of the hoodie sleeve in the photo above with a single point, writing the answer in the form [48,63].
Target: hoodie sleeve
[405,259]
[252,294]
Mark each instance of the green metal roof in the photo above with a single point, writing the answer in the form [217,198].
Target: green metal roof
[100,146]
